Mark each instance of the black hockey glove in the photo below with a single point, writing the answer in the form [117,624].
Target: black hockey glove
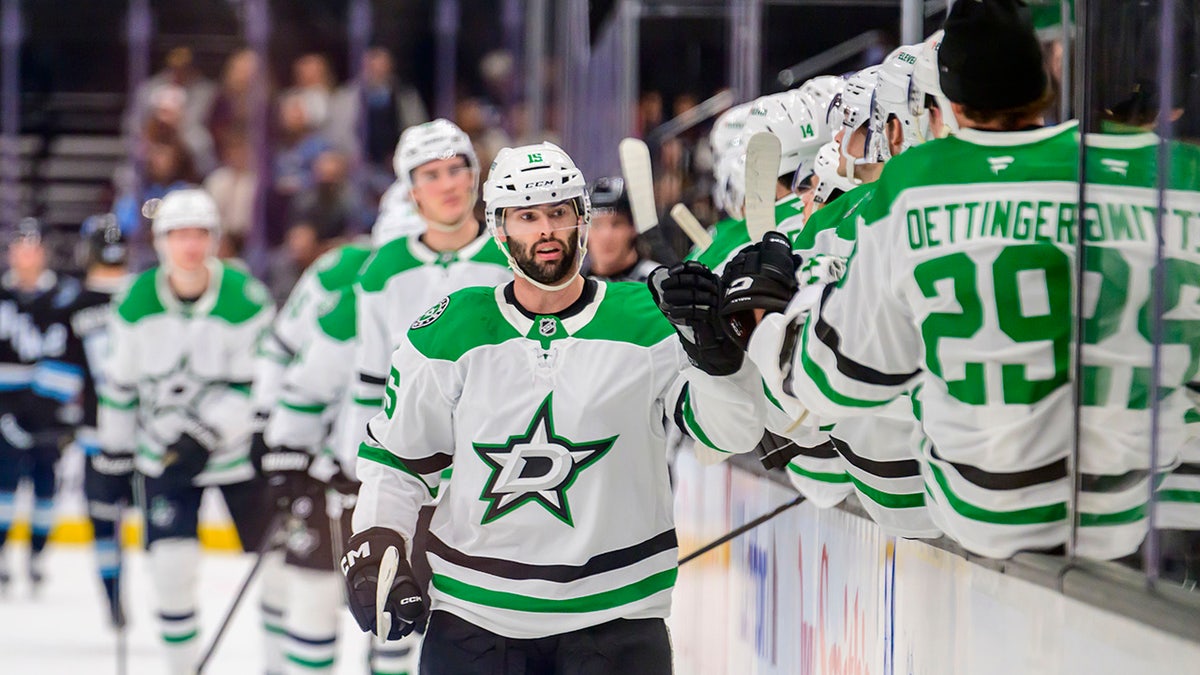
[286,472]
[761,276]
[108,478]
[361,565]
[183,461]
[775,451]
[687,294]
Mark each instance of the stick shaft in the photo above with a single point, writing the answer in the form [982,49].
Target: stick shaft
[739,531]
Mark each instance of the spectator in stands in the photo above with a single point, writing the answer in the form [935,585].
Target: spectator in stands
[369,113]
[314,232]
[233,107]
[313,80]
[191,108]
[167,120]
[233,186]
[332,205]
[167,166]
[292,168]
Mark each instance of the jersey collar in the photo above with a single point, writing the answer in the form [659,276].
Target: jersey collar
[573,318]
[427,256]
[1008,138]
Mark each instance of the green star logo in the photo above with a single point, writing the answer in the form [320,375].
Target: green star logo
[536,466]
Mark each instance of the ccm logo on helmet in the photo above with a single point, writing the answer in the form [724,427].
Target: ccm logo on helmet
[363,551]
[539,184]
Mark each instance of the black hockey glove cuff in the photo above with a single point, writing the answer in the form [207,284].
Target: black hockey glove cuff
[183,460]
[361,566]
[688,294]
[761,276]
[775,451]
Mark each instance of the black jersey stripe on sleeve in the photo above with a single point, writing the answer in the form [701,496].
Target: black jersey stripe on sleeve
[847,366]
[599,564]
[367,378]
[1015,480]
[898,468]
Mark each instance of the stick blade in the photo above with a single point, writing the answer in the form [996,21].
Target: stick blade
[691,226]
[762,169]
[639,182]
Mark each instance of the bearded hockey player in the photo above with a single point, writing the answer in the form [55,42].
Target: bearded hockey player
[614,249]
[184,339]
[398,282]
[962,285]
[37,385]
[553,548]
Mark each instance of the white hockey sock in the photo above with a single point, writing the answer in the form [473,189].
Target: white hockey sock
[173,567]
[314,598]
[273,600]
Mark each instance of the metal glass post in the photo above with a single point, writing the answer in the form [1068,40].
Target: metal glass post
[257,29]
[446,29]
[912,21]
[536,20]
[10,112]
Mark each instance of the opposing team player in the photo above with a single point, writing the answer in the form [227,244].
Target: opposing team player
[107,476]
[553,548]
[614,248]
[962,285]
[35,385]
[183,344]
[399,281]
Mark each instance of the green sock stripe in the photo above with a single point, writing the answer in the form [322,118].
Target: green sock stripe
[309,663]
[176,639]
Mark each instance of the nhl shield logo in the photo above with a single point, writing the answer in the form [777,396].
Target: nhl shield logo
[547,327]
[431,314]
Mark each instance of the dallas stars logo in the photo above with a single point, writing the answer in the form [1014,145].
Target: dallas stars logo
[537,466]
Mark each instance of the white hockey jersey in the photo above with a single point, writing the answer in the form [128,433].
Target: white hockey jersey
[401,280]
[559,515]
[177,367]
[963,281]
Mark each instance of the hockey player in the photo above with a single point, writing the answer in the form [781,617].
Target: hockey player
[960,284]
[184,338]
[614,248]
[36,384]
[107,483]
[398,282]
[553,549]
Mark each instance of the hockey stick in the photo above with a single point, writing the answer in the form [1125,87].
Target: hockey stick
[687,222]
[261,555]
[762,175]
[639,183]
[737,532]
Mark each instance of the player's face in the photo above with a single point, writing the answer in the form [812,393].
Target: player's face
[806,190]
[543,240]
[611,238]
[442,190]
[188,247]
[27,256]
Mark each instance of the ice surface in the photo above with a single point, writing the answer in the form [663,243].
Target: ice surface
[64,630]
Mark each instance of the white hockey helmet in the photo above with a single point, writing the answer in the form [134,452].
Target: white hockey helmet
[186,207]
[726,130]
[398,216]
[789,118]
[529,175]
[856,104]
[892,98]
[731,178]
[927,82]
[431,141]
[820,92]
[179,209]
[829,178]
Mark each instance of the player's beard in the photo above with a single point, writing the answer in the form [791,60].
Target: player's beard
[548,273]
